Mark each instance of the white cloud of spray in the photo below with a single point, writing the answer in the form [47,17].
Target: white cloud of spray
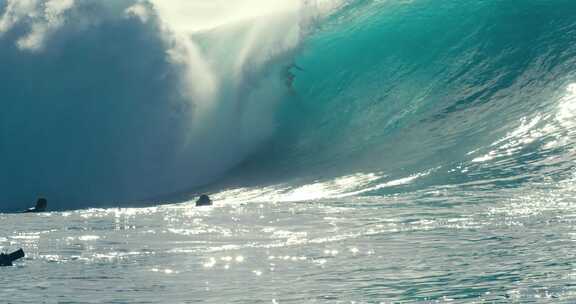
[224,49]
[46,17]
[15,11]
[142,97]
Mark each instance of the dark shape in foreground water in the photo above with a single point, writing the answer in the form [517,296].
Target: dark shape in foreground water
[204,200]
[7,259]
[41,205]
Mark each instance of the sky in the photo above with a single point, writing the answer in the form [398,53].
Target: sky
[199,15]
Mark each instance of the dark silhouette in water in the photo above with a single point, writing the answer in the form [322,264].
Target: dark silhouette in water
[7,259]
[41,206]
[204,200]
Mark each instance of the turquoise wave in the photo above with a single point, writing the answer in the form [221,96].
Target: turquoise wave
[405,87]
[458,92]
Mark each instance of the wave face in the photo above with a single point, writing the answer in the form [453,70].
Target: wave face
[108,101]
[402,95]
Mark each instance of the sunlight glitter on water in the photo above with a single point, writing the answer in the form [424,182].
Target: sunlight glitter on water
[554,129]
[231,246]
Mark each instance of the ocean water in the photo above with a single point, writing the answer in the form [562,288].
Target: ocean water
[436,246]
[357,151]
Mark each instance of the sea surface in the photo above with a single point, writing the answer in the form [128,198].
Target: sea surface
[440,245]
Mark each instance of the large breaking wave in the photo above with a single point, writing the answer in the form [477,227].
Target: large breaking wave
[402,95]
[112,101]
[106,101]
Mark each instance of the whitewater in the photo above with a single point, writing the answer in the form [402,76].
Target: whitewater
[357,151]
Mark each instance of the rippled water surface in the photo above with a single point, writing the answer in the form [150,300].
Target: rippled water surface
[439,245]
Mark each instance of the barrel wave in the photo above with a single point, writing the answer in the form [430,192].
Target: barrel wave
[107,103]
[404,95]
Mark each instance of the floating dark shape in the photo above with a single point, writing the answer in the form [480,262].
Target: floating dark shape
[7,259]
[204,200]
[41,205]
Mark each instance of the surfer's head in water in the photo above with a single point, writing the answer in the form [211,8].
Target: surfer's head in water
[204,200]
[41,206]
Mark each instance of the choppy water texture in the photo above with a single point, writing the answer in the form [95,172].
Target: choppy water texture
[420,152]
[435,246]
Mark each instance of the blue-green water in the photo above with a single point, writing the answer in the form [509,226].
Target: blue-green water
[423,153]
[442,245]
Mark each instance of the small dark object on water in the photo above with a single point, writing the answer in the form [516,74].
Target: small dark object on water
[41,206]
[7,259]
[204,200]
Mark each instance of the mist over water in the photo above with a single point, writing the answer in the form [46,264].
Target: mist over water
[114,101]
